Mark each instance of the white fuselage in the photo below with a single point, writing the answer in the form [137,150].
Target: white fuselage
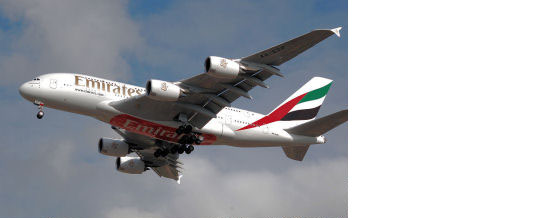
[90,96]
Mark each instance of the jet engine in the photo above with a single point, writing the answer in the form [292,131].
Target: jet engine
[113,147]
[221,67]
[130,165]
[162,90]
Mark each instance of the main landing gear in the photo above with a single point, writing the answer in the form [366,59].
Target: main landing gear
[194,138]
[184,129]
[185,144]
[187,141]
[185,148]
[161,152]
[180,149]
[40,113]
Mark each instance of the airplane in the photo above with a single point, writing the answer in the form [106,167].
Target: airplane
[166,119]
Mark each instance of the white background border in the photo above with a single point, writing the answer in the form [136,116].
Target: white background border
[449,109]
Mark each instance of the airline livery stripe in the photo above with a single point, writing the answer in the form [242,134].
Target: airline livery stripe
[276,115]
[316,94]
[282,112]
[302,114]
[308,104]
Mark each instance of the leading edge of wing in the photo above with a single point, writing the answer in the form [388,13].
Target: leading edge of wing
[283,52]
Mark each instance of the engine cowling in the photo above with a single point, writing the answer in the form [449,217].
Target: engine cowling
[221,67]
[130,165]
[162,90]
[113,147]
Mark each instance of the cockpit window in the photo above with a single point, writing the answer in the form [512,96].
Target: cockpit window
[36,78]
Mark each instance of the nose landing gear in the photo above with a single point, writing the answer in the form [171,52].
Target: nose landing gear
[40,113]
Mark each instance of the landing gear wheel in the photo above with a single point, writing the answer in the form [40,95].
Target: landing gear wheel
[187,129]
[157,153]
[190,140]
[180,130]
[198,140]
[184,129]
[181,149]
[164,152]
[40,114]
[174,150]
[189,149]
[183,140]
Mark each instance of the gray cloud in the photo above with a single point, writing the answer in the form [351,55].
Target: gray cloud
[206,191]
[68,36]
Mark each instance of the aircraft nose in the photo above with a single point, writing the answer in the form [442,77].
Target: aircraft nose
[25,91]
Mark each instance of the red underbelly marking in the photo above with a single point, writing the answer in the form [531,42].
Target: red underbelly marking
[153,130]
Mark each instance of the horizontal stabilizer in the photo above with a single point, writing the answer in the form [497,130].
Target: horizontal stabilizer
[295,152]
[320,126]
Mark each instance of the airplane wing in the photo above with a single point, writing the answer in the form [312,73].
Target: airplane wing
[281,53]
[168,166]
[207,94]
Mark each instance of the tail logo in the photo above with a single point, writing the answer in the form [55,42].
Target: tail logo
[282,112]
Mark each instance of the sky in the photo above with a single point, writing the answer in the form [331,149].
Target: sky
[51,167]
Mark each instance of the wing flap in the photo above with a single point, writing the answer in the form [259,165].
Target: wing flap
[218,93]
[167,171]
[168,166]
[296,152]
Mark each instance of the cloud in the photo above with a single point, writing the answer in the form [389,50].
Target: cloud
[68,36]
[207,191]
[133,212]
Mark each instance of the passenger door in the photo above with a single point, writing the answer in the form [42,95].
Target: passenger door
[53,83]
[228,120]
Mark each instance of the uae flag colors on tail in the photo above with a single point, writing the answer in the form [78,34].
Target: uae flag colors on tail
[300,107]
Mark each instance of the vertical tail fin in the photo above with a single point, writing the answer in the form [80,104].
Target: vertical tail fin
[300,107]
[305,103]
